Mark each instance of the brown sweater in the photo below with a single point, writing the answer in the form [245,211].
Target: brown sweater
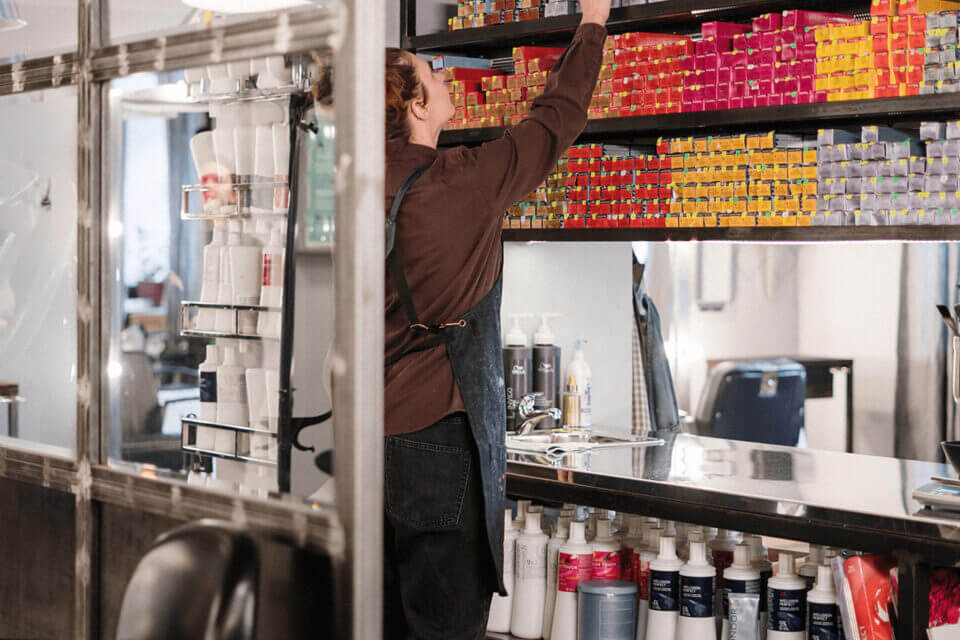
[448,229]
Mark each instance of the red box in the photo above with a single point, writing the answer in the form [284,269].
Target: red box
[900,24]
[819,96]
[529,53]
[915,57]
[736,102]
[722,29]
[918,23]
[739,43]
[724,75]
[769,39]
[767,22]
[805,97]
[916,40]
[797,18]
[880,25]
[807,51]
[775,100]
[883,8]
[763,100]
[709,105]
[712,45]
[708,61]
[723,103]
[471,77]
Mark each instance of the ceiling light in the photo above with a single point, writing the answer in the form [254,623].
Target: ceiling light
[243,6]
[10,16]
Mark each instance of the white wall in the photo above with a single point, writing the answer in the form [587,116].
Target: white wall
[849,299]
[590,284]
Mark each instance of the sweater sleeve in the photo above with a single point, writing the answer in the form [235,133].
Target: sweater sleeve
[504,171]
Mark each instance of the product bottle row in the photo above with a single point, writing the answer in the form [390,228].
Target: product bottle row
[632,578]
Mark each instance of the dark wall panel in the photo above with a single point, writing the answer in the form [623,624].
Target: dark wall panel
[36,561]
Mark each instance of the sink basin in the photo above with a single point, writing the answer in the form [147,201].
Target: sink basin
[563,441]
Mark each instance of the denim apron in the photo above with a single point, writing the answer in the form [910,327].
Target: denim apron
[476,354]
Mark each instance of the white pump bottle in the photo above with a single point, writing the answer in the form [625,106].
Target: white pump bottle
[741,577]
[531,580]
[823,618]
[697,587]
[574,565]
[642,560]
[664,592]
[786,602]
[553,552]
[501,607]
[606,553]
[579,370]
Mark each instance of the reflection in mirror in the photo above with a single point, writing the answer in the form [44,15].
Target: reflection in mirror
[198,208]
[764,340]
[38,268]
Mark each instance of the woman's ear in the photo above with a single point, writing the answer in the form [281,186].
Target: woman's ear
[418,107]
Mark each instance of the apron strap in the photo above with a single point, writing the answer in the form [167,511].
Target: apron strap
[436,334]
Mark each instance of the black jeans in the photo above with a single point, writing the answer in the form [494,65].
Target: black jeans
[438,577]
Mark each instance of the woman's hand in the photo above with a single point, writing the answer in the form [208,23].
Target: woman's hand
[596,11]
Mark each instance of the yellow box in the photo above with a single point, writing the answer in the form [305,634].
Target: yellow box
[740,190]
[708,220]
[809,173]
[676,206]
[803,220]
[686,221]
[779,156]
[781,189]
[821,82]
[796,188]
[794,172]
[808,188]
[809,156]
[672,222]
[700,145]
[808,204]
[766,221]
[795,156]
[821,33]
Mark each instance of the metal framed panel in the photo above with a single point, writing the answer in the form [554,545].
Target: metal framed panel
[357,360]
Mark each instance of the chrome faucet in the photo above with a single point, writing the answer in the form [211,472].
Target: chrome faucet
[531,415]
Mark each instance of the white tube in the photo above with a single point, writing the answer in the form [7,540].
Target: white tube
[226,319]
[194,77]
[527,616]
[244,148]
[206,437]
[245,270]
[271,291]
[263,169]
[574,565]
[501,607]
[219,80]
[225,151]
[231,398]
[273,398]
[257,409]
[281,166]
[205,162]
[664,592]
[209,288]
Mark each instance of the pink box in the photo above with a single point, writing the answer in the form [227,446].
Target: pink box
[752,40]
[737,90]
[775,100]
[768,56]
[762,101]
[710,76]
[792,35]
[709,61]
[766,72]
[724,75]
[798,18]
[709,105]
[740,74]
[767,22]
[806,83]
[808,68]
[765,86]
[807,51]
[709,92]
[749,102]
[769,39]
[737,58]
[739,43]
[736,103]
[723,91]
[688,63]
[723,29]
[753,72]
[781,71]
[789,53]
[790,85]
[804,97]
[695,93]
[723,103]
[713,45]
[819,96]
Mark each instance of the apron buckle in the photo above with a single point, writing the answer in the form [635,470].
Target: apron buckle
[435,329]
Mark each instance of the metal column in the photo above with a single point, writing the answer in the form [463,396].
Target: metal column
[358,342]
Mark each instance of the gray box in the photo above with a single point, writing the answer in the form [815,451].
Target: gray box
[915,183]
[934,148]
[883,134]
[902,150]
[918,164]
[928,88]
[953,130]
[933,130]
[836,136]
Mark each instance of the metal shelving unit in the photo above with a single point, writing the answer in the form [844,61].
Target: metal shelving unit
[241,440]
[810,117]
[919,233]
[676,16]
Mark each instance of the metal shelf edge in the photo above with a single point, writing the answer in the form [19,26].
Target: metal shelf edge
[919,233]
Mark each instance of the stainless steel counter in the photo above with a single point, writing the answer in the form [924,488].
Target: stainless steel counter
[838,499]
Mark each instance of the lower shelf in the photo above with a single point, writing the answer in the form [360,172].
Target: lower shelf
[919,233]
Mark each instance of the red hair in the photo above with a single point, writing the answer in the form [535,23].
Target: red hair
[402,87]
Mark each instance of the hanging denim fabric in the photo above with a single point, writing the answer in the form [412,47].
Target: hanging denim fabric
[661,397]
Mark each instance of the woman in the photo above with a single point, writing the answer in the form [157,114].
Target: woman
[444,391]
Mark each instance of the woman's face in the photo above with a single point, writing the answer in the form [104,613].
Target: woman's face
[439,107]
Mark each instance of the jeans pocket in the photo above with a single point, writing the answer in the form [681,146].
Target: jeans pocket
[425,483]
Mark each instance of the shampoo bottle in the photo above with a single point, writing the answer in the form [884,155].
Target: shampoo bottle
[697,585]
[574,565]
[786,602]
[502,606]
[823,621]
[226,319]
[208,397]
[758,556]
[209,289]
[631,545]
[606,553]
[808,569]
[522,506]
[579,371]
[546,368]
[741,577]
[517,369]
[642,561]
[281,166]
[571,405]
[553,550]
[531,580]
[245,259]
[664,592]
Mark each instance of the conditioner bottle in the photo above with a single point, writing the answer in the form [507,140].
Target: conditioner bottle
[574,565]
[697,584]
[786,602]
[531,580]
[664,592]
